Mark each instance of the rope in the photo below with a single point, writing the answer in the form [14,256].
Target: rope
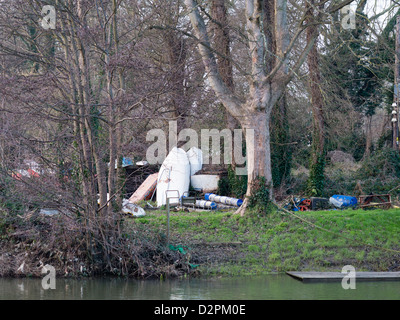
[334,233]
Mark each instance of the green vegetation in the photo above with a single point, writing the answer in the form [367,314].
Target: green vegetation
[315,183]
[259,201]
[377,174]
[233,184]
[222,243]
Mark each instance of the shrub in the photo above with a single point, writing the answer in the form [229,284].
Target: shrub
[232,185]
[10,199]
[383,163]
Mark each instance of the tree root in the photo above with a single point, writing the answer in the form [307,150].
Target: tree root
[242,209]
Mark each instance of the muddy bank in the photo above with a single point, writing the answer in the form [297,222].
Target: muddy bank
[29,243]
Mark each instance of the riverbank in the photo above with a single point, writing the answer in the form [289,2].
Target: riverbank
[211,244]
[221,243]
[74,249]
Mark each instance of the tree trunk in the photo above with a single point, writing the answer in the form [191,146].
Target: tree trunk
[368,136]
[257,133]
[177,60]
[318,136]
[222,45]
[280,146]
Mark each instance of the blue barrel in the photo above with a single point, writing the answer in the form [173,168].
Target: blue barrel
[223,199]
[340,201]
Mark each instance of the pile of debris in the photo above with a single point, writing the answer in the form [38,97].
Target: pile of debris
[180,171]
[211,201]
[135,174]
[336,202]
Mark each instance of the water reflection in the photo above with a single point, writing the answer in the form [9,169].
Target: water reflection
[269,287]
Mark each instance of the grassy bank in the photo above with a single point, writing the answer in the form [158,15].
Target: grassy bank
[222,243]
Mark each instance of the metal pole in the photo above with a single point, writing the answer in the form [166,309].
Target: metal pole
[167,221]
[394,119]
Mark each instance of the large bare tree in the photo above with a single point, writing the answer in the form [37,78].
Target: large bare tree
[270,72]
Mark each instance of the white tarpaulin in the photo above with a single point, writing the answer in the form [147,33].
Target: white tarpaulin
[174,176]
[195,156]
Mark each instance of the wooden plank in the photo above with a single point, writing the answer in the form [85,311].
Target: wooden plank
[382,198]
[375,200]
[145,191]
[376,204]
[338,276]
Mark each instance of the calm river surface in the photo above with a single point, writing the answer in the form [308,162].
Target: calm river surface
[268,287]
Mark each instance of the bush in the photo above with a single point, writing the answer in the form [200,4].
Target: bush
[378,174]
[339,180]
[381,164]
[232,185]
[10,199]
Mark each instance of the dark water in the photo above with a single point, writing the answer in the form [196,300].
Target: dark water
[269,287]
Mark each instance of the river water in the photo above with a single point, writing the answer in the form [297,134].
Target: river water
[270,287]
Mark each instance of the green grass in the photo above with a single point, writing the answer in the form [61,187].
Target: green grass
[280,242]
